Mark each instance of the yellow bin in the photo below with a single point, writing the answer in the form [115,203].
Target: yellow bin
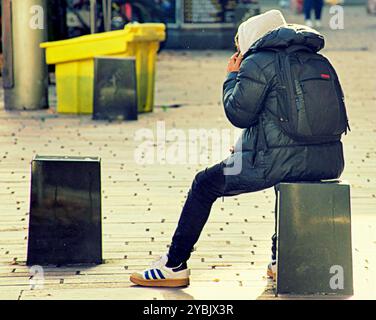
[74,59]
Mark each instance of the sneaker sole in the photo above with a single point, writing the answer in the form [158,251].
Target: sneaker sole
[170,283]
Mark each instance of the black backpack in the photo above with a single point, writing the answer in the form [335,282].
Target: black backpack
[311,107]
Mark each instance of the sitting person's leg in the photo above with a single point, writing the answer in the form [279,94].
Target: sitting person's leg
[207,187]
[171,270]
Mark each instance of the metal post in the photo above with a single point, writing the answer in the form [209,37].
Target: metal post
[25,71]
[179,13]
[107,14]
[93,16]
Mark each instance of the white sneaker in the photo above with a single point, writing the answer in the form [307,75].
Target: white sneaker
[309,23]
[158,275]
[272,270]
[318,24]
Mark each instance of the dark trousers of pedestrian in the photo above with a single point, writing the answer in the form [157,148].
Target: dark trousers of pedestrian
[207,187]
[316,5]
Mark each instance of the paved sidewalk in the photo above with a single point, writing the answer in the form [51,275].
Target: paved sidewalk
[141,203]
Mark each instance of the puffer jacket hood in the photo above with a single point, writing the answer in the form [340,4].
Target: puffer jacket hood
[289,35]
[258,26]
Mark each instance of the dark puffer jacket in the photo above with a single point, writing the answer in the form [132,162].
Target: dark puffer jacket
[249,97]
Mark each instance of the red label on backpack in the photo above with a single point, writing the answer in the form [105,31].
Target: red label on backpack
[325,76]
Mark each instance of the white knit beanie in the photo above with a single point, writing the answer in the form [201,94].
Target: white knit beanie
[256,27]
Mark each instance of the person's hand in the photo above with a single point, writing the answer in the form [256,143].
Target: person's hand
[234,62]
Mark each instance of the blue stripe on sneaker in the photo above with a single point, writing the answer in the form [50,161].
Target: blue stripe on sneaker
[146,274]
[160,274]
[153,274]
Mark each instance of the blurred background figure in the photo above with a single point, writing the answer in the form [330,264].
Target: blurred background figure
[371,7]
[316,5]
[296,6]
[284,4]
[119,13]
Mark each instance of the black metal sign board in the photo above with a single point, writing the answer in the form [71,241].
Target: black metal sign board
[115,89]
[65,211]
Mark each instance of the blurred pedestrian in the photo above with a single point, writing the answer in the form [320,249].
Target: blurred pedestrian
[317,6]
[284,4]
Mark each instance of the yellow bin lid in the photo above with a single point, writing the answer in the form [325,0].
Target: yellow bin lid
[105,43]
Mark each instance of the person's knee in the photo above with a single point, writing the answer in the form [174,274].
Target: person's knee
[198,182]
[208,183]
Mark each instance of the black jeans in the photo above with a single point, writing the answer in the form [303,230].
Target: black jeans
[313,4]
[207,187]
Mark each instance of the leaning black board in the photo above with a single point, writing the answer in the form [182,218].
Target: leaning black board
[115,89]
